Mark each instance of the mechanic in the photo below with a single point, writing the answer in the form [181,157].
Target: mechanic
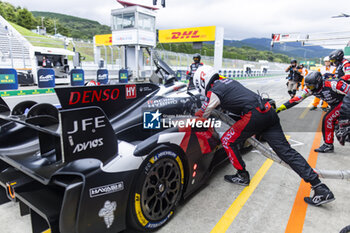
[343,132]
[303,71]
[331,91]
[294,77]
[327,72]
[342,64]
[257,117]
[193,67]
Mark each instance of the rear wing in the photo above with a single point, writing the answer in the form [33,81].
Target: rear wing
[112,99]
[64,136]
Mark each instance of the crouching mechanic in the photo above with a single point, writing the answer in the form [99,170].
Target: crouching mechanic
[257,117]
[343,132]
[331,91]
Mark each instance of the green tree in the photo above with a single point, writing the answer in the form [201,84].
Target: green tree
[25,18]
[10,12]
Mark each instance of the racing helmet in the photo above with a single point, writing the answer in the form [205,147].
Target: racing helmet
[336,56]
[326,59]
[203,78]
[314,81]
[293,62]
[197,58]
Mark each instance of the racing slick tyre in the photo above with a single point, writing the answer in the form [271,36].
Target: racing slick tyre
[157,190]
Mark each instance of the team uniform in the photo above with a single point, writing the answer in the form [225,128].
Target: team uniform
[343,132]
[303,71]
[332,92]
[193,68]
[257,117]
[327,72]
[343,71]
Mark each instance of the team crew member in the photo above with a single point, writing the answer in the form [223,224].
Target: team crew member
[343,65]
[331,91]
[343,132]
[257,117]
[193,67]
[327,72]
[303,71]
[294,77]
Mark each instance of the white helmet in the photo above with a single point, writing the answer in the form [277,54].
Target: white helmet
[204,76]
[326,58]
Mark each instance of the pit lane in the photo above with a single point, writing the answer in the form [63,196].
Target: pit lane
[269,206]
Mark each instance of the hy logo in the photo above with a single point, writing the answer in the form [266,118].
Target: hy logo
[151,120]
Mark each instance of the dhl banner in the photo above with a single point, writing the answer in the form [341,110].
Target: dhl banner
[105,39]
[196,34]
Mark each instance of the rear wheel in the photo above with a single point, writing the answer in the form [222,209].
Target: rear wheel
[157,191]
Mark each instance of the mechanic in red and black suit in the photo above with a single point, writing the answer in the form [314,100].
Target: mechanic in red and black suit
[331,91]
[342,64]
[193,67]
[343,131]
[257,117]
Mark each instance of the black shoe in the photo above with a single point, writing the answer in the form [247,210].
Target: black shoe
[241,178]
[322,195]
[325,109]
[313,108]
[325,148]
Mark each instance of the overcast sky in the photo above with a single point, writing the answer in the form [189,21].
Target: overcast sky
[240,18]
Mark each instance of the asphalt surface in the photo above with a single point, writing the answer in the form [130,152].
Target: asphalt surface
[268,207]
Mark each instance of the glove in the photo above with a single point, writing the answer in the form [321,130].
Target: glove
[281,108]
[199,113]
[343,131]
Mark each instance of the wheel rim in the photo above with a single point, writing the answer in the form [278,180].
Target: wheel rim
[161,189]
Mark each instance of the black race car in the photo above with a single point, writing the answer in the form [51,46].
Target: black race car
[104,160]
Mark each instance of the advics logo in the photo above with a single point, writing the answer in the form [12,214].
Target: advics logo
[151,120]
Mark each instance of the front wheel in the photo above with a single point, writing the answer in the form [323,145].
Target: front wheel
[157,191]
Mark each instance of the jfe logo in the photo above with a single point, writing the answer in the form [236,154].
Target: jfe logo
[151,120]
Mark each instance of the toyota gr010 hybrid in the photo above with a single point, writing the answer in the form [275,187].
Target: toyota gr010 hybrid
[91,165]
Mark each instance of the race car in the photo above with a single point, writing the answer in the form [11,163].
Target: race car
[102,159]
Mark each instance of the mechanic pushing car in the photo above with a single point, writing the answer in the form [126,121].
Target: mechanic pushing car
[343,131]
[327,72]
[193,67]
[342,64]
[331,91]
[257,117]
[294,77]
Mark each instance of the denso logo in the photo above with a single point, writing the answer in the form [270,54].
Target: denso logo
[88,123]
[88,145]
[185,34]
[93,96]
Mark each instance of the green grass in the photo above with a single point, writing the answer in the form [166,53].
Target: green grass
[39,40]
[86,50]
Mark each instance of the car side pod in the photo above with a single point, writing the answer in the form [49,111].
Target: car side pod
[71,142]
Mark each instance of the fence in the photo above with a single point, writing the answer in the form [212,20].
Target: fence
[13,53]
